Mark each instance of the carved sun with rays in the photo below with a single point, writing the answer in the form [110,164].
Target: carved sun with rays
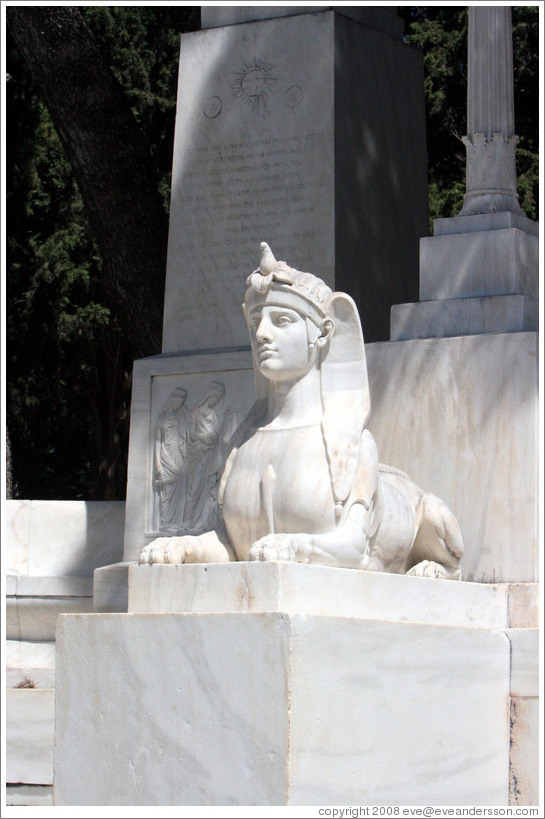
[254,82]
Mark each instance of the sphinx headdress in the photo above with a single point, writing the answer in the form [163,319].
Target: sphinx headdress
[344,383]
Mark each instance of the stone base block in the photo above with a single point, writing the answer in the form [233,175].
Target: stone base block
[296,588]
[30,725]
[462,317]
[487,263]
[274,708]
[110,584]
[485,221]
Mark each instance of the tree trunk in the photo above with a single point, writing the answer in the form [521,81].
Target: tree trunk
[110,159]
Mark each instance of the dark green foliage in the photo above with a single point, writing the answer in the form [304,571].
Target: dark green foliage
[440,33]
[69,366]
[54,310]
[526,70]
[142,45]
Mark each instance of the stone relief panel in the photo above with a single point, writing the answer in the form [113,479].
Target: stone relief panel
[183,409]
[189,443]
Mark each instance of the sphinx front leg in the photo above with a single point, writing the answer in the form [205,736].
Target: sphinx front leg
[438,547]
[346,546]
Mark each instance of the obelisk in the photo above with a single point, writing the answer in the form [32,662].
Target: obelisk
[491,175]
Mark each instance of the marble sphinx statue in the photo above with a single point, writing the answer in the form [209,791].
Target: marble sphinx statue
[302,481]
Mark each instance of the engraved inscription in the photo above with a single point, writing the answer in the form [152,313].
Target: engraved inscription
[190,449]
[253,187]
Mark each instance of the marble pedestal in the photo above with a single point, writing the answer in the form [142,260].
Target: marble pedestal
[300,692]
[478,274]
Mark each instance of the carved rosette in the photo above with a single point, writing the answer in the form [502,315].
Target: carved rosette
[491,175]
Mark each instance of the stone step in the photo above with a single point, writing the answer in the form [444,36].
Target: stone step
[487,263]
[463,317]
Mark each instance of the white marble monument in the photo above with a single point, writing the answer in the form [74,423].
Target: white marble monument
[276,680]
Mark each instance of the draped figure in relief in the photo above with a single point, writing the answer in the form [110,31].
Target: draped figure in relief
[169,463]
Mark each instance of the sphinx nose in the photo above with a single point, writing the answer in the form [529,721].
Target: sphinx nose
[263,332]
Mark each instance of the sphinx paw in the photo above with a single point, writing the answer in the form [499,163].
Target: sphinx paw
[274,547]
[155,551]
[429,568]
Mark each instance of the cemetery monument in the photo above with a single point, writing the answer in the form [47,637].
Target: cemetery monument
[284,677]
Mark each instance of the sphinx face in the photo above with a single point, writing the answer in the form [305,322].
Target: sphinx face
[284,342]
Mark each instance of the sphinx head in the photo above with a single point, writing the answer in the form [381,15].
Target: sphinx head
[298,323]
[286,312]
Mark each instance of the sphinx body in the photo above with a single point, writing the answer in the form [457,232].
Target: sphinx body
[303,481]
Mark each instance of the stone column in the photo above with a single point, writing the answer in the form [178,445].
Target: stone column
[491,176]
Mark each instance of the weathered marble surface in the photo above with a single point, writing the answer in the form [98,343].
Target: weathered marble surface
[480,263]
[525,691]
[31,795]
[30,723]
[110,587]
[63,538]
[67,586]
[524,603]
[41,677]
[524,661]
[18,536]
[204,683]
[524,768]
[461,317]
[34,618]
[22,654]
[471,407]
[318,590]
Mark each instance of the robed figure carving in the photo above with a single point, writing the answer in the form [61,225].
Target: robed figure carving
[303,481]
[169,463]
